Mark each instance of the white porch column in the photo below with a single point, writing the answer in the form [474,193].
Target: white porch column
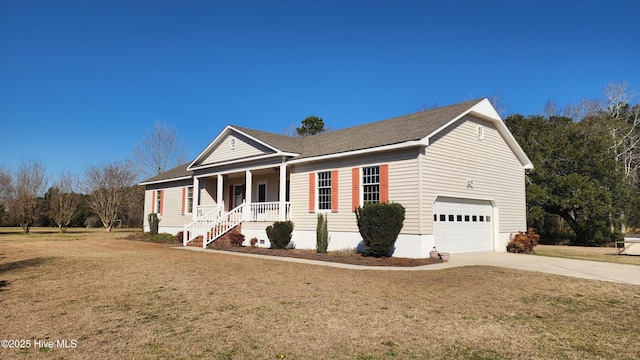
[196,198]
[220,195]
[248,187]
[283,190]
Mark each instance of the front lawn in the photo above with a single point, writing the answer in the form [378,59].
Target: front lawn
[603,254]
[139,300]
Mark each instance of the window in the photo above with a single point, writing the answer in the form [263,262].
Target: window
[474,218]
[371,184]
[466,218]
[435,217]
[324,190]
[450,217]
[458,217]
[189,199]
[158,201]
[443,217]
[488,218]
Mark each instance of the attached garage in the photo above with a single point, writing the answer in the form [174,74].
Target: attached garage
[463,225]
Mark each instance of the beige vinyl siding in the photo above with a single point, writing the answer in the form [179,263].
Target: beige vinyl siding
[457,155]
[244,148]
[403,172]
[273,183]
[208,190]
[172,203]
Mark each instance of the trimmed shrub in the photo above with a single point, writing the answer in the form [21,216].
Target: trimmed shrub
[322,234]
[523,242]
[379,225]
[153,223]
[279,234]
[254,241]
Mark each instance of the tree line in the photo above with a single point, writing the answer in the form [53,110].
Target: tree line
[584,188]
[105,196]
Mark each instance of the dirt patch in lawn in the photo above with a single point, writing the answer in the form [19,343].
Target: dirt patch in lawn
[344,257]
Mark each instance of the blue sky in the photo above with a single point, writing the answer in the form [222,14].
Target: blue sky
[81,81]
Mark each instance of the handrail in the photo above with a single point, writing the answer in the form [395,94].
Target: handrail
[225,223]
[198,227]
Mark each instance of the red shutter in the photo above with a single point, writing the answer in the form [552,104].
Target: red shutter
[355,188]
[312,192]
[153,201]
[161,201]
[384,183]
[184,198]
[334,191]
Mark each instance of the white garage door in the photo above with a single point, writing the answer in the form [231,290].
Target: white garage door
[462,225]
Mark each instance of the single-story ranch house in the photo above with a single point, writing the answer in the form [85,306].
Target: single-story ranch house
[457,170]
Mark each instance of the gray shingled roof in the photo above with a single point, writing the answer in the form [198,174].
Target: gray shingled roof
[397,130]
[175,173]
[280,142]
[386,132]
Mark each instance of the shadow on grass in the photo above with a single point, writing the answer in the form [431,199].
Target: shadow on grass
[16,265]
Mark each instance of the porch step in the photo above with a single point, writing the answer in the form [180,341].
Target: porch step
[197,242]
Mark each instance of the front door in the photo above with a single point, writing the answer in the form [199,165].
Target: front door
[238,195]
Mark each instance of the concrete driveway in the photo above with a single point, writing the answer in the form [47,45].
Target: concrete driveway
[594,270]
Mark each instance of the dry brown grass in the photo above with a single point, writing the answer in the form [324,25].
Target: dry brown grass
[137,300]
[602,254]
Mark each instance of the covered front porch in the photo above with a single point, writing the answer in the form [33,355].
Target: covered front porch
[222,200]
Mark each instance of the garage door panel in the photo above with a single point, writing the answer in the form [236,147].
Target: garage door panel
[463,225]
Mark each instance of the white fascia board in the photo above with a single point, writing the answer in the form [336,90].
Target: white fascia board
[255,139]
[166,180]
[227,130]
[239,161]
[217,139]
[401,145]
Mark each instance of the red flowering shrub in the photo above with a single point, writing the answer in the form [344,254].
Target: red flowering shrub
[523,242]
[236,238]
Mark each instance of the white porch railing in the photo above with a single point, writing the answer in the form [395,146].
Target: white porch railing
[225,223]
[216,223]
[268,211]
[202,210]
[200,226]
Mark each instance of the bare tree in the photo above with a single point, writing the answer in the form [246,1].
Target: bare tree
[586,107]
[63,201]
[551,109]
[134,207]
[26,199]
[108,187]
[618,96]
[499,105]
[6,189]
[626,127]
[159,151]
[291,131]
